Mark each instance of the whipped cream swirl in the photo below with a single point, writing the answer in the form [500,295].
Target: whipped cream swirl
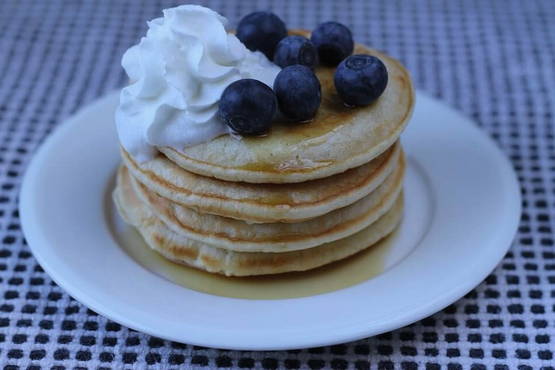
[178,73]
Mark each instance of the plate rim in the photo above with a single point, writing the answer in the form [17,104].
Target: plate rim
[33,235]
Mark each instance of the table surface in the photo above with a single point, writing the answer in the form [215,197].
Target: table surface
[493,60]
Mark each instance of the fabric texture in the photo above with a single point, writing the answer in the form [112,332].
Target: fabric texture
[493,60]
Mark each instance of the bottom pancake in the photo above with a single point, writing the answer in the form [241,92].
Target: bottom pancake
[218,260]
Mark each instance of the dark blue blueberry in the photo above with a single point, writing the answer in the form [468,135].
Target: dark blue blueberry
[248,106]
[360,79]
[295,50]
[334,42]
[261,31]
[298,92]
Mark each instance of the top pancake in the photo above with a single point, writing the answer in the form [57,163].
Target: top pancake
[339,137]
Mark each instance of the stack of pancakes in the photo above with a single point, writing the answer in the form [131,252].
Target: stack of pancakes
[303,196]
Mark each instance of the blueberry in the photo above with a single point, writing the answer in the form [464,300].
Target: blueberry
[360,79]
[298,92]
[261,31]
[295,50]
[248,106]
[334,42]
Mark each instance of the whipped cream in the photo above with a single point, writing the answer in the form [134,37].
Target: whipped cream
[178,72]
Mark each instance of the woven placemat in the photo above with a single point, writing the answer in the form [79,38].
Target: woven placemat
[493,60]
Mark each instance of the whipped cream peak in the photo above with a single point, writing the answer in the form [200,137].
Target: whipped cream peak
[178,73]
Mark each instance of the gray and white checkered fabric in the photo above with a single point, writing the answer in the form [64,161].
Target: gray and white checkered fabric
[493,60]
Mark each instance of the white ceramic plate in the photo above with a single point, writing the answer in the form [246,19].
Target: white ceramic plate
[462,211]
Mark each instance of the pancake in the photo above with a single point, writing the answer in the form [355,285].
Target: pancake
[339,137]
[263,203]
[238,235]
[218,260]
